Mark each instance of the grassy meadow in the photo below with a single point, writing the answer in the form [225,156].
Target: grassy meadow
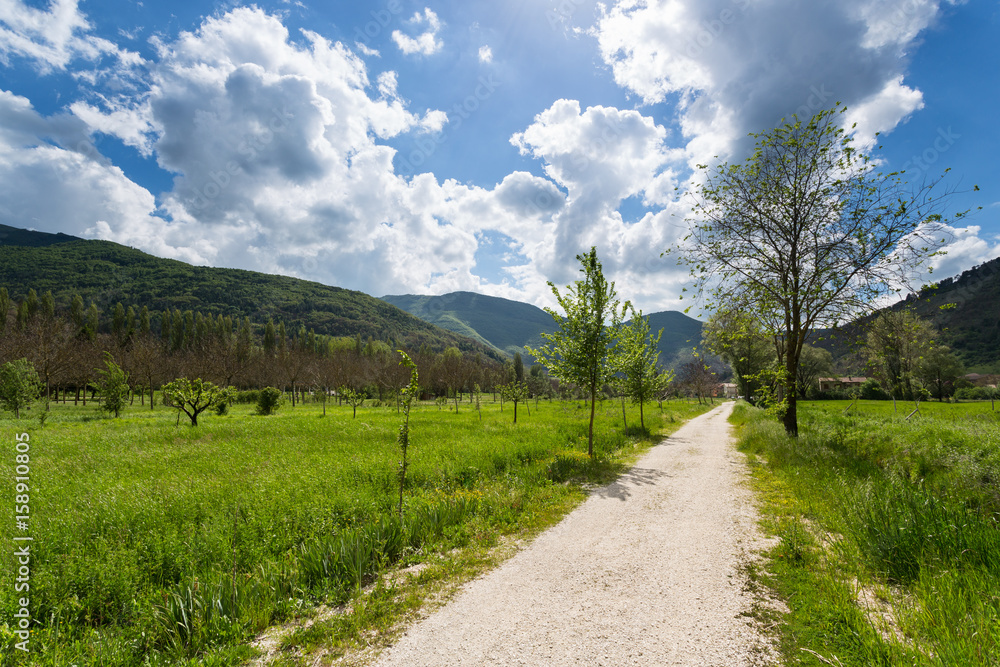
[163,544]
[888,541]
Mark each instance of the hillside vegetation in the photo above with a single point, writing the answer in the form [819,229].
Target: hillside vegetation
[108,273]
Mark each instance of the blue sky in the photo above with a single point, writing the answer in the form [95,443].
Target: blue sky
[426,147]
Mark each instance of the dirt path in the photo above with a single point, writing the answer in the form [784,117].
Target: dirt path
[645,572]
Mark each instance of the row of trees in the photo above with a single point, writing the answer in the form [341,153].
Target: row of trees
[69,352]
[899,351]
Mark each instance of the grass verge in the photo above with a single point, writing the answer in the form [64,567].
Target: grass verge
[888,549]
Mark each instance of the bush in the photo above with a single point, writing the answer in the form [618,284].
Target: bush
[248,397]
[974,393]
[871,390]
[268,401]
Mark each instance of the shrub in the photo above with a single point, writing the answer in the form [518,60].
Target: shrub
[871,390]
[268,401]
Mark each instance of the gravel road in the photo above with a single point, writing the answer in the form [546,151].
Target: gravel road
[645,572]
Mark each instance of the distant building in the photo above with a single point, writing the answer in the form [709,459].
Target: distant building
[839,384]
[978,380]
[729,390]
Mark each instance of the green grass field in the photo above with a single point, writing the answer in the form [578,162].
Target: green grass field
[888,548]
[162,544]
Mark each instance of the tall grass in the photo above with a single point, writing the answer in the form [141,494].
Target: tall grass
[155,544]
[909,507]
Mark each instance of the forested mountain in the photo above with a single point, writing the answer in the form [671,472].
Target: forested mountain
[964,309]
[510,325]
[108,273]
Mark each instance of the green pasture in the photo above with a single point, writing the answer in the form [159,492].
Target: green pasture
[157,543]
[888,541]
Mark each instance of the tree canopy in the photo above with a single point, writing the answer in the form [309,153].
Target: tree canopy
[808,232]
[580,350]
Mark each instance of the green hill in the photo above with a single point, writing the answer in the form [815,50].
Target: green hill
[966,309]
[510,325]
[107,273]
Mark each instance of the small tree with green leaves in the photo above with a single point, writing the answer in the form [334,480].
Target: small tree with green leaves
[411,390]
[515,392]
[636,354]
[579,351]
[19,386]
[192,397]
[355,399]
[112,382]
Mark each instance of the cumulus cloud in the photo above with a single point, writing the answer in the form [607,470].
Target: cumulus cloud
[52,37]
[426,43]
[485,54]
[738,66]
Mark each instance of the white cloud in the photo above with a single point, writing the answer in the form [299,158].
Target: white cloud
[738,66]
[52,38]
[485,54]
[426,43]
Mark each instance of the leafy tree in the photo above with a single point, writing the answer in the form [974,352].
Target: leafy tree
[19,386]
[896,341]
[193,397]
[814,363]
[113,384]
[636,356]
[809,233]
[77,315]
[355,399]
[518,367]
[579,350]
[93,322]
[938,369]
[735,335]
[411,390]
[515,392]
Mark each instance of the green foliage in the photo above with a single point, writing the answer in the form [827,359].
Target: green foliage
[736,336]
[353,398]
[112,382]
[409,392]
[268,401]
[871,390]
[515,392]
[115,273]
[844,232]
[579,351]
[636,355]
[193,397]
[19,386]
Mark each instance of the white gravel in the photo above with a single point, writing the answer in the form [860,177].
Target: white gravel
[645,572]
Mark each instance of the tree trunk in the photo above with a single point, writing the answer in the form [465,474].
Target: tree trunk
[590,435]
[642,422]
[624,418]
